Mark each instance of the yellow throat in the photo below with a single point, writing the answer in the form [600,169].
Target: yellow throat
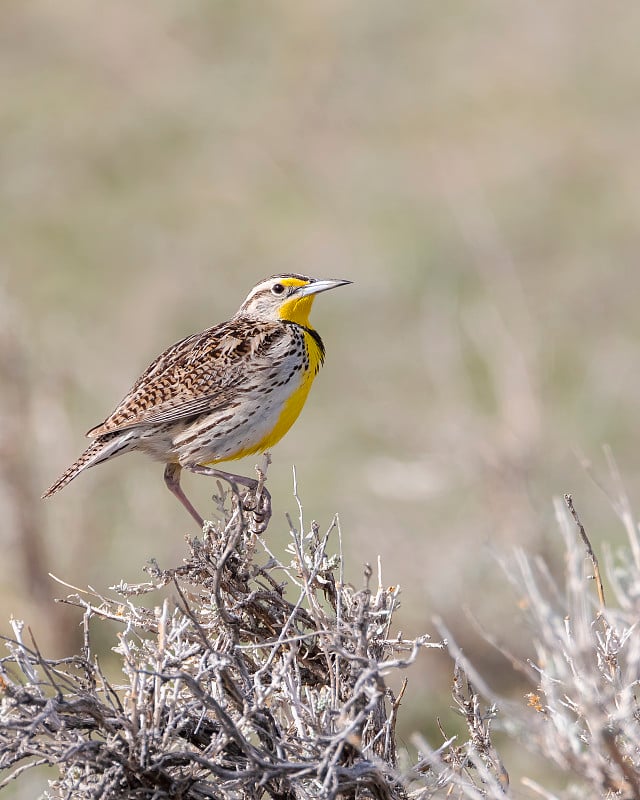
[296,309]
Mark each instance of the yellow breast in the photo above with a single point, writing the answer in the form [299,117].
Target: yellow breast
[293,405]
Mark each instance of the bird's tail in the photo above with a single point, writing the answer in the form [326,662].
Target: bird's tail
[101,450]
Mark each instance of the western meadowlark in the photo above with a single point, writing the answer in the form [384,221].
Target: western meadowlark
[232,390]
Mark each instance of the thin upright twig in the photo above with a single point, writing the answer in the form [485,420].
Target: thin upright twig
[590,552]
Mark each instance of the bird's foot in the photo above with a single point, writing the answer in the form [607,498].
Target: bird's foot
[257,503]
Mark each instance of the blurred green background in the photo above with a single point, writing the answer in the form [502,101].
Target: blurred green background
[473,167]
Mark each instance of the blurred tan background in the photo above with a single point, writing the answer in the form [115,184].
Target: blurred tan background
[473,168]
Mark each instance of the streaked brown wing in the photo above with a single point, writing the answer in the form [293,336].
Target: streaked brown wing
[198,374]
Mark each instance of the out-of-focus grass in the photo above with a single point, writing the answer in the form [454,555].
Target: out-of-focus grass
[474,170]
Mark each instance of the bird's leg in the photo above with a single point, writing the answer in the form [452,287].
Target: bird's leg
[172,479]
[261,507]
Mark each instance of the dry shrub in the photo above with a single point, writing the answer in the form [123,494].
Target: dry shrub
[255,680]
[266,677]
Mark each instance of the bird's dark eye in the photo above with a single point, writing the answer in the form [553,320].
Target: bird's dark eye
[277,288]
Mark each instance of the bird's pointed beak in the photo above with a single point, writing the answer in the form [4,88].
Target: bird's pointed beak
[319,286]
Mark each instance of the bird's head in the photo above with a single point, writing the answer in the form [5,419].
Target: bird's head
[287,297]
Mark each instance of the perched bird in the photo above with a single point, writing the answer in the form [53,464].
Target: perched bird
[231,391]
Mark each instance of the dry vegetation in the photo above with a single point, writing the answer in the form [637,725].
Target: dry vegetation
[474,169]
[254,675]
